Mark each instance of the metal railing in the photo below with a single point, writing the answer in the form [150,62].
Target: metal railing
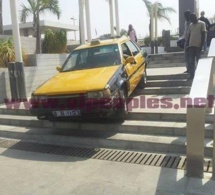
[200,95]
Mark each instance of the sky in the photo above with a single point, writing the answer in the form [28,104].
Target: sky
[129,13]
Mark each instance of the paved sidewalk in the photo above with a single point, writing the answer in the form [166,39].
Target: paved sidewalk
[34,173]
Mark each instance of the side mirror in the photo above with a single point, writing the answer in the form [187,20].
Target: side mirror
[58,68]
[130,60]
[144,53]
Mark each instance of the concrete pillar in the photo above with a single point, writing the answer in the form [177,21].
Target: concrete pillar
[87,6]
[166,39]
[16,68]
[211,54]
[152,31]
[16,33]
[111,17]
[185,5]
[197,8]
[156,28]
[81,21]
[117,18]
[195,141]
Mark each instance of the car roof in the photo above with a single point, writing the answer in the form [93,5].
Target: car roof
[98,42]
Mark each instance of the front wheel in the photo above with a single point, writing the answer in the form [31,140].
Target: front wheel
[143,81]
[122,107]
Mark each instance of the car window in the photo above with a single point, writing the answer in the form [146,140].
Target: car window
[83,57]
[125,50]
[133,48]
[100,56]
[70,62]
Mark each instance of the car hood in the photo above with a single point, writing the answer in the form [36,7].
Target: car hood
[80,81]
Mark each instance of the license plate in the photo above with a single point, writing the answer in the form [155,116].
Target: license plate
[65,113]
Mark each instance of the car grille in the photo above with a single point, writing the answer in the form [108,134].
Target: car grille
[65,102]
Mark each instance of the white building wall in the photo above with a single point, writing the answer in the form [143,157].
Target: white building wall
[27,43]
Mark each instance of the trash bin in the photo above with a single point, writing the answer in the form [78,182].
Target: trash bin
[13,81]
[19,67]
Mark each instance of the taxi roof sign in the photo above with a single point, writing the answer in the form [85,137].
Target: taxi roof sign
[95,42]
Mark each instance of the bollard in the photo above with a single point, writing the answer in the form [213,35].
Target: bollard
[21,80]
[13,83]
[156,47]
[152,47]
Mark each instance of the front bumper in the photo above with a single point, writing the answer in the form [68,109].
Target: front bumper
[49,113]
[90,110]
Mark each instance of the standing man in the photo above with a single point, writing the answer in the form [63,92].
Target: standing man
[197,30]
[207,23]
[186,38]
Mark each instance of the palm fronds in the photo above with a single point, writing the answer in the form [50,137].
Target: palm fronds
[35,8]
[162,12]
[7,53]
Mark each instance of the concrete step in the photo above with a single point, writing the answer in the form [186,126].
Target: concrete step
[14,111]
[95,139]
[171,56]
[166,56]
[169,83]
[170,116]
[166,73]
[139,103]
[139,112]
[163,90]
[167,77]
[140,107]
[137,122]
[165,64]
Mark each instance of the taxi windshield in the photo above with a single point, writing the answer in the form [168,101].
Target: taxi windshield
[95,57]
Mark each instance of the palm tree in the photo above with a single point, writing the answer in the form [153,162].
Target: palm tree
[1,22]
[35,8]
[162,12]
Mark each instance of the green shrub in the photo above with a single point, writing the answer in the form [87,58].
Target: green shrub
[7,53]
[55,42]
[147,41]
[105,36]
[123,32]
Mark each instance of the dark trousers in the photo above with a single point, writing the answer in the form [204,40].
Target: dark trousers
[194,56]
[186,57]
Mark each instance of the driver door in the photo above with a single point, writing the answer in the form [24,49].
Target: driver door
[130,68]
[135,70]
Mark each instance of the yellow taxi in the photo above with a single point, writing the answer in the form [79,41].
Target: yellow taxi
[95,81]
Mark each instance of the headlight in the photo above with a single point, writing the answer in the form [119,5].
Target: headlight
[38,97]
[95,94]
[99,94]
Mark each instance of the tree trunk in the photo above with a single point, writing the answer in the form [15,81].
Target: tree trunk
[150,33]
[1,19]
[35,26]
[38,35]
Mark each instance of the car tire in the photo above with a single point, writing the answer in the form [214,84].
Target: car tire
[143,82]
[122,110]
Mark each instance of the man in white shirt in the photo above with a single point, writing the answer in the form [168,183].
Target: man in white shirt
[197,30]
